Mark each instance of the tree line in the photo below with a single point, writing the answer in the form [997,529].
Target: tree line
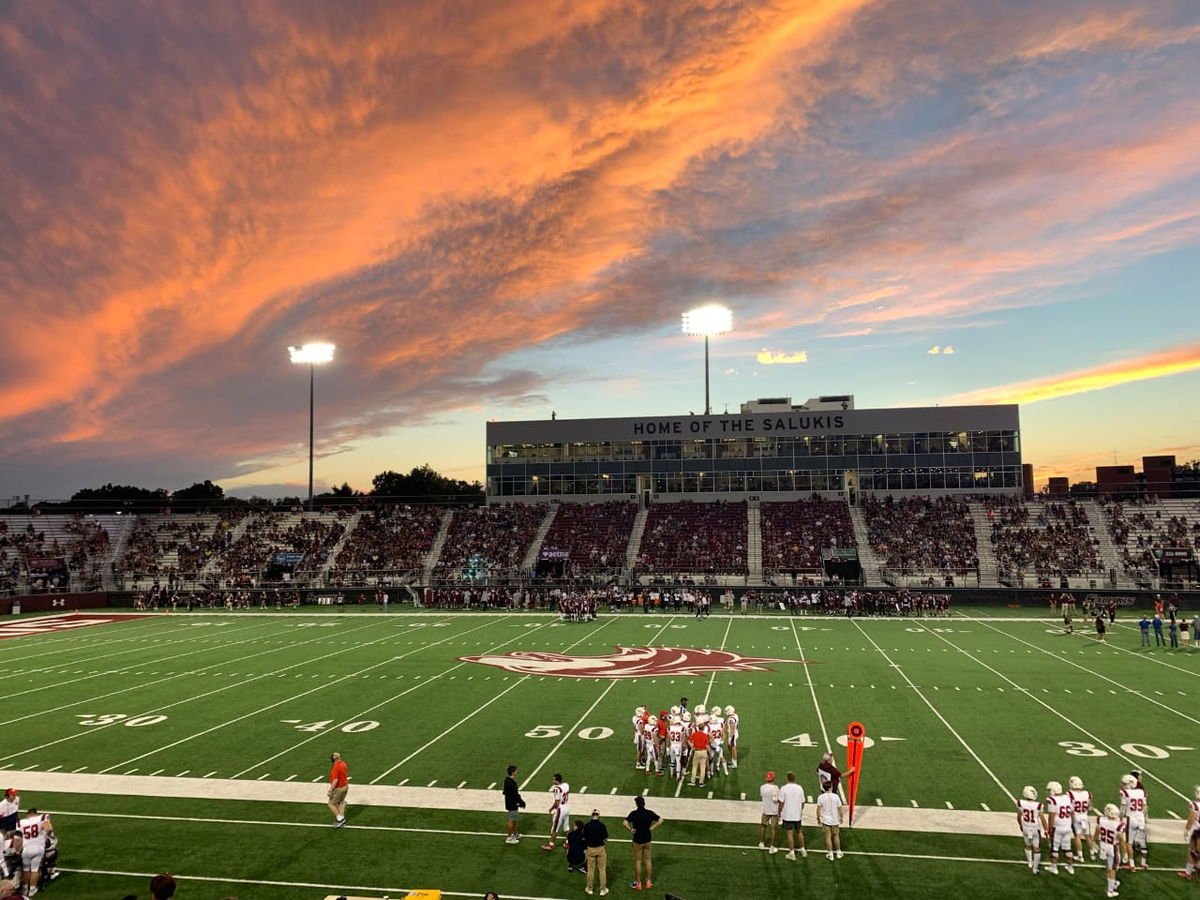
[421,485]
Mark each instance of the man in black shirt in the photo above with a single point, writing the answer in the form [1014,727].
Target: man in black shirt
[512,803]
[640,823]
[595,835]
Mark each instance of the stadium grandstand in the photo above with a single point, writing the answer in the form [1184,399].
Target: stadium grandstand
[774,497]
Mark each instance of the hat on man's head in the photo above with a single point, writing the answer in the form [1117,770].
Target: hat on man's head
[770,776]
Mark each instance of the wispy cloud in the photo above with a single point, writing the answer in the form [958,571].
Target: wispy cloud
[1160,364]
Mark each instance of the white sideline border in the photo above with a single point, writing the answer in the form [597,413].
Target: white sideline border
[743,812]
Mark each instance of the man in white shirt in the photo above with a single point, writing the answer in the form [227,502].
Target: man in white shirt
[10,809]
[791,810]
[770,813]
[829,814]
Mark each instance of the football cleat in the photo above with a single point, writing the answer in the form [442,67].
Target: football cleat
[1029,792]
[1054,788]
[1076,783]
[1111,810]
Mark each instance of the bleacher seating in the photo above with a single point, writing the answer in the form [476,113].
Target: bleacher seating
[1042,538]
[489,540]
[595,534]
[1139,527]
[920,535]
[696,538]
[386,541]
[795,534]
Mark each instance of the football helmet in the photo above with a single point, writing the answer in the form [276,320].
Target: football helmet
[1198,792]
[715,711]
[1029,792]
[1110,810]
[1054,788]
[675,720]
[686,716]
[653,720]
[729,710]
[1076,783]
[700,709]
[640,711]
[1128,781]
[675,710]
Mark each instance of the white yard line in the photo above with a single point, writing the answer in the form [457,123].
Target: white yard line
[707,694]
[484,706]
[1140,766]
[1096,674]
[816,705]
[1007,793]
[569,732]
[139,686]
[290,699]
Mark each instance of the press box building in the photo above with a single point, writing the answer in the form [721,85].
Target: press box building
[770,450]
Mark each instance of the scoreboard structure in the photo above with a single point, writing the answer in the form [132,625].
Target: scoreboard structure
[780,453]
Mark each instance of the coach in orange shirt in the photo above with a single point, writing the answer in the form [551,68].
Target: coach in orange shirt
[339,784]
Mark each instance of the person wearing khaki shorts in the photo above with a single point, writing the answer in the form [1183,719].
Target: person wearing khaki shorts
[640,823]
[595,836]
[339,786]
[770,814]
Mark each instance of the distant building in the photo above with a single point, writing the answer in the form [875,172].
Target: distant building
[1027,479]
[1059,486]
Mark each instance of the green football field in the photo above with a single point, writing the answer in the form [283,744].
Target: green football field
[198,744]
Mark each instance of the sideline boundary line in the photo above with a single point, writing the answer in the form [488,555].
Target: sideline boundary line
[813,690]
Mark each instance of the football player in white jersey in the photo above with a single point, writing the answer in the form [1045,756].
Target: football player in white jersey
[1029,820]
[1058,823]
[651,746]
[34,828]
[1108,836]
[731,734]
[1191,831]
[675,746]
[1081,801]
[1133,808]
[716,742]
[639,719]
[560,810]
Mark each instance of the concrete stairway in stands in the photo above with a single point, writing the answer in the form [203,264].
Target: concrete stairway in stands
[331,559]
[635,539]
[867,557]
[535,546]
[1110,556]
[989,566]
[439,542]
[754,543]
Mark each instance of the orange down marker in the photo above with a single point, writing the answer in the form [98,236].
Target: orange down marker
[855,732]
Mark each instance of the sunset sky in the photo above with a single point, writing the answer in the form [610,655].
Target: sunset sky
[496,210]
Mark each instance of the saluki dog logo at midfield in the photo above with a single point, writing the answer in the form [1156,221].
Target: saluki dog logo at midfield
[627,662]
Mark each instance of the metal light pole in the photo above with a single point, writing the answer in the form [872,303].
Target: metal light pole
[707,321]
[312,355]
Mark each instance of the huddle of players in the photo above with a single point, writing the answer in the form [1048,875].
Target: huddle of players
[684,741]
[28,849]
[1119,832]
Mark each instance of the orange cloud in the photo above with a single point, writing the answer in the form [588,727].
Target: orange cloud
[1174,361]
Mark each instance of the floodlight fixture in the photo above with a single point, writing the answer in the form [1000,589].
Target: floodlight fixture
[708,320]
[312,355]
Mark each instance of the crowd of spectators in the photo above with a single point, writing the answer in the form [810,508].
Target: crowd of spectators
[387,540]
[795,534]
[1138,528]
[919,534]
[489,541]
[313,535]
[595,535]
[1046,539]
[902,602]
[694,537]
[175,548]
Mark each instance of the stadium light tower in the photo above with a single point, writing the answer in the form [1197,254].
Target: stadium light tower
[708,321]
[313,355]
